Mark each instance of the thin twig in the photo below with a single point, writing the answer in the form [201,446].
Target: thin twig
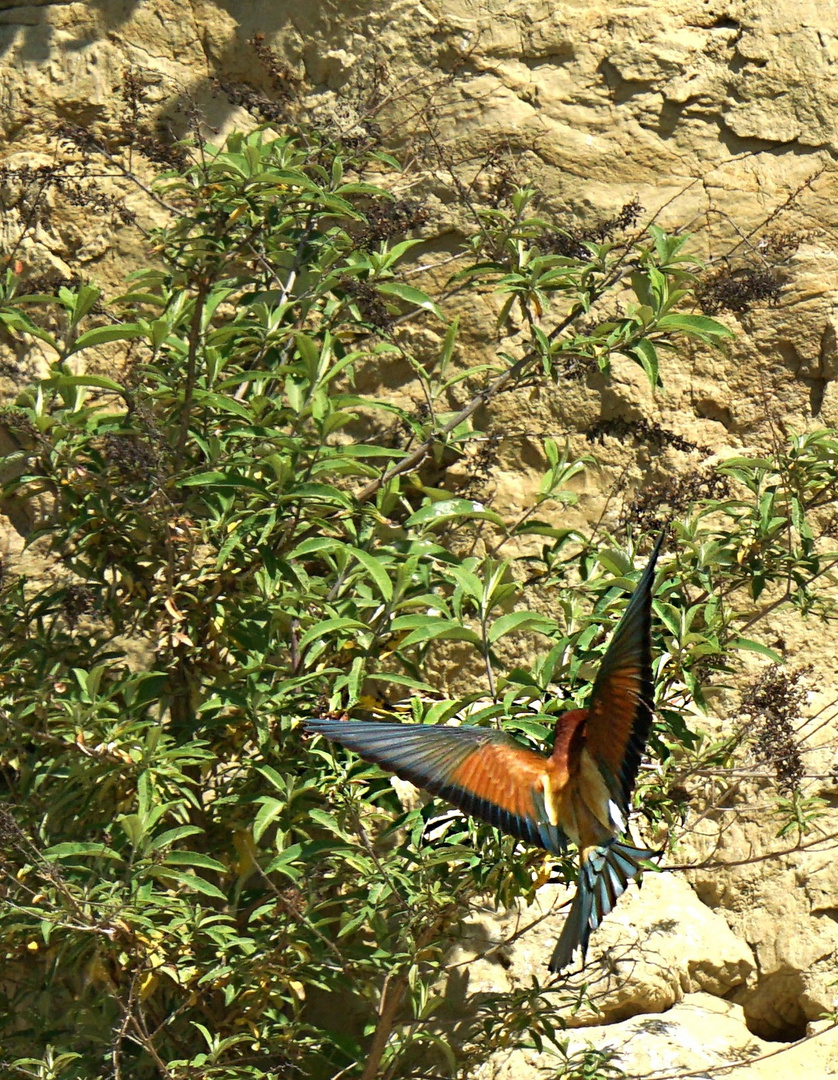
[722,863]
[195,336]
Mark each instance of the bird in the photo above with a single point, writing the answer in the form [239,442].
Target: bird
[581,792]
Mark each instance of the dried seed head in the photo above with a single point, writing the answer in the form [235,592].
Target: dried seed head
[674,495]
[776,702]
[738,290]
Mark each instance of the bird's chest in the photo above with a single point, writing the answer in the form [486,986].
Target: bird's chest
[587,811]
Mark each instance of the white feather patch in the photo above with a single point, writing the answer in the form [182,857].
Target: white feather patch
[616,815]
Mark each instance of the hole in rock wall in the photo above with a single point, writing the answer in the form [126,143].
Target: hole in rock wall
[711,410]
[817,391]
[773,1009]
[789,1033]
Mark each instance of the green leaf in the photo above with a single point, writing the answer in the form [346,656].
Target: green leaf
[103,335]
[617,562]
[355,681]
[395,252]
[318,493]
[189,881]
[269,811]
[448,344]
[669,617]
[643,289]
[646,355]
[84,302]
[754,646]
[224,481]
[171,835]
[94,382]
[409,294]
[72,849]
[326,821]
[470,584]
[697,326]
[315,545]
[194,858]
[272,776]
[309,350]
[329,627]
[139,297]
[376,571]
[16,320]
[363,450]
[535,729]
[281,864]
[223,404]
[440,513]
[754,463]
[434,628]
[533,526]
[520,620]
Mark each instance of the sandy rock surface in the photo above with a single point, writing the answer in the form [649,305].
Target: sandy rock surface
[722,114]
[660,944]
[700,1034]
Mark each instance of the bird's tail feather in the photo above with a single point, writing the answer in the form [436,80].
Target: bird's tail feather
[603,877]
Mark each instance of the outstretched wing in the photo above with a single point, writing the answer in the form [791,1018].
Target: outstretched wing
[621,705]
[485,773]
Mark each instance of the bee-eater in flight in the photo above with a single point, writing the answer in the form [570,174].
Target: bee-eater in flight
[580,792]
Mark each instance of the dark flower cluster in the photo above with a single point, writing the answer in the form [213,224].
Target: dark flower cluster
[156,149]
[651,434]
[775,703]
[388,218]
[18,423]
[483,467]
[284,82]
[78,601]
[779,245]
[573,366]
[370,304]
[259,105]
[365,134]
[570,240]
[153,143]
[11,834]
[738,290]
[674,495]
[77,137]
[133,457]
[31,183]
[134,97]
[830,525]
[50,281]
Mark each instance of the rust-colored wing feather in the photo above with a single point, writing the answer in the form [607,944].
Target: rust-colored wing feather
[485,773]
[622,700]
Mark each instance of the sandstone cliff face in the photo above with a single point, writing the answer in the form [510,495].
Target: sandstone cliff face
[719,113]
